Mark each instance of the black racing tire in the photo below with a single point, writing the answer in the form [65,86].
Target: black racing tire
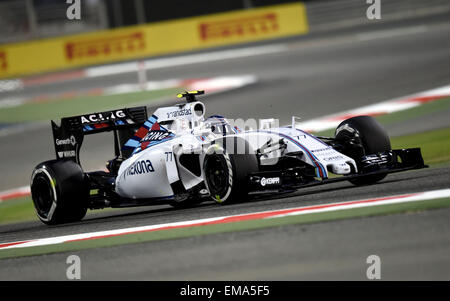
[374,139]
[59,192]
[226,172]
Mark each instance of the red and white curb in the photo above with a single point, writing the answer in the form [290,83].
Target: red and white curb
[381,108]
[210,85]
[14,193]
[411,197]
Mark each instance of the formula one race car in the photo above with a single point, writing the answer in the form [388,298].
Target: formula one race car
[177,156]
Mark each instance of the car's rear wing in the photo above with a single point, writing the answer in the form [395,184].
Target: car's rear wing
[68,136]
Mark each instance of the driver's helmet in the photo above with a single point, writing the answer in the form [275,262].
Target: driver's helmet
[219,125]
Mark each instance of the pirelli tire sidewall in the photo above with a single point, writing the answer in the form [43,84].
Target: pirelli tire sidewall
[59,191]
[236,168]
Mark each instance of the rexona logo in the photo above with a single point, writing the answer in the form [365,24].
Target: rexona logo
[140,167]
[248,26]
[270,181]
[98,117]
[67,141]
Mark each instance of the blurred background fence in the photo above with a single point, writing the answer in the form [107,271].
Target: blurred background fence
[326,14]
[33,19]
[149,23]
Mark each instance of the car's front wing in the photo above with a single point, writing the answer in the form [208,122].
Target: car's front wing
[381,163]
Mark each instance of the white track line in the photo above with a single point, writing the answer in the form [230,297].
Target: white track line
[382,34]
[427,195]
[213,84]
[185,60]
[412,197]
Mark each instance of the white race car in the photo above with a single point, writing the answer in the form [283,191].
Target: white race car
[179,157]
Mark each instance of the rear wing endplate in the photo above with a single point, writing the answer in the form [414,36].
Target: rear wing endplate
[68,136]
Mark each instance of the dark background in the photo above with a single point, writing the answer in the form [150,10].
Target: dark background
[157,10]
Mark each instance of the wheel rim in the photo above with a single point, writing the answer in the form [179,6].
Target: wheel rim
[217,176]
[42,194]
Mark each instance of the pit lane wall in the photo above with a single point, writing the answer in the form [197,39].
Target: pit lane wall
[154,39]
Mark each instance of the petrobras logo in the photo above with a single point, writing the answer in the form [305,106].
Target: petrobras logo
[140,167]
[99,117]
[67,141]
[270,181]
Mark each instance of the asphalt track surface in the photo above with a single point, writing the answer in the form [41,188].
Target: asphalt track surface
[413,246]
[317,76]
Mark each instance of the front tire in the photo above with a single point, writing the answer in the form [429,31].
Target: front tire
[59,192]
[373,138]
[226,173]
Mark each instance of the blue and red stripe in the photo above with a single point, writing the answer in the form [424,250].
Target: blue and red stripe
[320,169]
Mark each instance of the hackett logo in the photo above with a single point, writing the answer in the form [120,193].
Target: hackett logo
[105,47]
[250,26]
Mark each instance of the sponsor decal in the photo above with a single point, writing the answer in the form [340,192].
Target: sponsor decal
[94,48]
[270,181]
[3,62]
[98,117]
[67,141]
[333,158]
[177,113]
[67,154]
[327,154]
[139,167]
[156,136]
[320,150]
[250,26]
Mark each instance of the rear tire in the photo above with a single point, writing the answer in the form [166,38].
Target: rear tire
[373,138]
[59,192]
[226,172]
